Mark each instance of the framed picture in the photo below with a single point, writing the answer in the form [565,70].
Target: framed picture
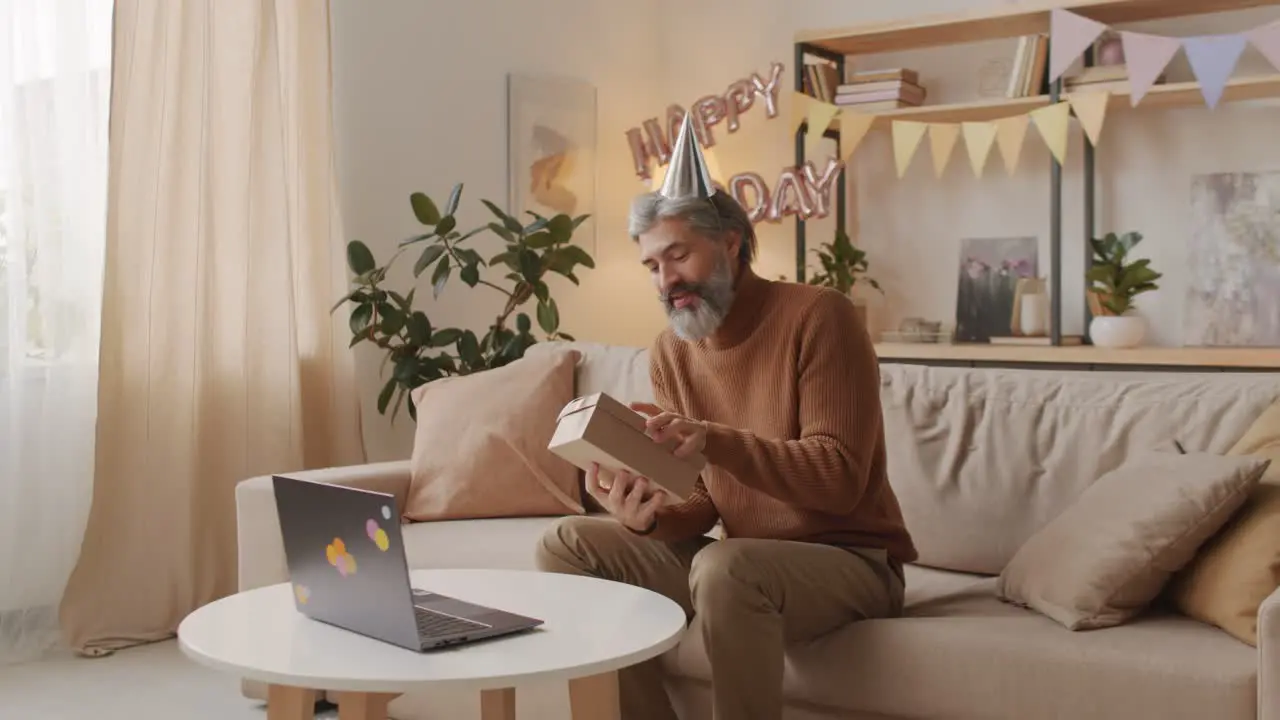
[551,150]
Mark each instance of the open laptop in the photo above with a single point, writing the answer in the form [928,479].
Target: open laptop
[348,568]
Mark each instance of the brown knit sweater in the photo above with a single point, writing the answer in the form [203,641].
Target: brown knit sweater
[790,388]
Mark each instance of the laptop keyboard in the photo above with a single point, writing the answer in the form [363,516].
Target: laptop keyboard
[433,624]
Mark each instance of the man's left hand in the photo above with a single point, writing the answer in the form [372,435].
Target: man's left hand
[663,425]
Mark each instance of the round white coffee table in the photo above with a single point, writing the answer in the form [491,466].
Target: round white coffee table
[592,629]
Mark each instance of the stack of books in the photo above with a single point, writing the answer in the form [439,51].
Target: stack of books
[874,90]
[1113,78]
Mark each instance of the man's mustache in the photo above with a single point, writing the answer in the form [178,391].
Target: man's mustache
[685,288]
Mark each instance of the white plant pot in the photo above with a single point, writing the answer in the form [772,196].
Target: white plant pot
[1125,331]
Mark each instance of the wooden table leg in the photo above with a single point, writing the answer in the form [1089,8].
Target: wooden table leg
[285,702]
[498,704]
[595,697]
[364,706]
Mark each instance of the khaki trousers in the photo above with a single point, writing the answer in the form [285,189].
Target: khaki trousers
[751,598]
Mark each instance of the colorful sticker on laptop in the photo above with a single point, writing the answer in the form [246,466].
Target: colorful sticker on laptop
[337,554]
[303,593]
[377,535]
[386,512]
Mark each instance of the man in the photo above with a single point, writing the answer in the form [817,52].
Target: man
[777,385]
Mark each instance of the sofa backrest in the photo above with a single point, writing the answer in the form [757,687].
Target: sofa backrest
[982,458]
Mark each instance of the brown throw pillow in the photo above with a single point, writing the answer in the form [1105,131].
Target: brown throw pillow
[480,447]
[1240,566]
[1108,556]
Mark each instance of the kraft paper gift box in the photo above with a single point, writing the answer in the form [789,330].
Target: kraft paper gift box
[597,428]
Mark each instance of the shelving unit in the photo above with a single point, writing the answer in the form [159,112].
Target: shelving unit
[1011,20]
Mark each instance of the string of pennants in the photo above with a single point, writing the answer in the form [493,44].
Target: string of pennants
[1008,134]
[1213,59]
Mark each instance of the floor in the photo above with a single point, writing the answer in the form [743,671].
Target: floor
[157,681]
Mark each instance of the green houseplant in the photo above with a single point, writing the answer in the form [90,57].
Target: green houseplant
[844,265]
[415,349]
[1114,282]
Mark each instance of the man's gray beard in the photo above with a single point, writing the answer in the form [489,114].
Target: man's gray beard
[704,319]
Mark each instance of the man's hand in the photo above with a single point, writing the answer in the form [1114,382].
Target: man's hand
[663,425]
[631,500]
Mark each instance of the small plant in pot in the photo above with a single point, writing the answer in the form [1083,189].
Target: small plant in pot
[844,266]
[1114,282]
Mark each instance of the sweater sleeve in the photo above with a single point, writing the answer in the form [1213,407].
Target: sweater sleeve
[827,468]
[697,514]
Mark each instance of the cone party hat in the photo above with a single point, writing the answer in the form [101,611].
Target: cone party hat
[687,174]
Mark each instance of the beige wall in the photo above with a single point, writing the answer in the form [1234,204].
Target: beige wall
[421,105]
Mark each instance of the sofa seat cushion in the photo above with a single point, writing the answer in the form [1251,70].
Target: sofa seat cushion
[959,652]
[491,544]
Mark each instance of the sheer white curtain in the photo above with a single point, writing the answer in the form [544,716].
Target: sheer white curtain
[55,60]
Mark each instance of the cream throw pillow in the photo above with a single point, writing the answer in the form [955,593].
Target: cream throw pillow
[1240,566]
[480,447]
[1108,556]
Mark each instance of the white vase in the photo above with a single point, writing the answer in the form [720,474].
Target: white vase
[1035,314]
[1125,331]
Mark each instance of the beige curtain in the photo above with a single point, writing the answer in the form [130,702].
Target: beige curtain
[219,357]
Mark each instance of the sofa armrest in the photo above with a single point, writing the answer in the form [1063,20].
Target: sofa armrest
[259,545]
[1269,658]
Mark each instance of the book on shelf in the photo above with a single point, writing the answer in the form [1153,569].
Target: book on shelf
[1030,67]
[1036,340]
[820,80]
[881,89]
[1113,78]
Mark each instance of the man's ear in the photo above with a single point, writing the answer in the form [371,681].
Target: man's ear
[733,243]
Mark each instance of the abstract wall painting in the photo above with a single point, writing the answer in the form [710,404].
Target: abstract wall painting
[1232,295]
[551,150]
[989,271]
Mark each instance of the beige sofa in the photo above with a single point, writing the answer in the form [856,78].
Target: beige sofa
[981,459]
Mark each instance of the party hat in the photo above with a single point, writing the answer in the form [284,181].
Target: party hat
[687,174]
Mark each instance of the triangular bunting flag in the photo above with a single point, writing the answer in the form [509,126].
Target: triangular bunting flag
[1266,40]
[800,103]
[942,142]
[853,128]
[1091,109]
[1213,58]
[1053,122]
[1070,35]
[1010,134]
[907,135]
[820,116]
[1146,57]
[978,139]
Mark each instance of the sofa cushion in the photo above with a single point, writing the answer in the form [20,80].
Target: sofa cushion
[960,653]
[497,543]
[480,445]
[983,458]
[1240,567]
[1108,556]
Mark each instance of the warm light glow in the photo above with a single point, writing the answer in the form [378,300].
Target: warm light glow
[713,168]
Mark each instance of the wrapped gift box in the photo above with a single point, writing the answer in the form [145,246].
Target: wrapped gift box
[599,429]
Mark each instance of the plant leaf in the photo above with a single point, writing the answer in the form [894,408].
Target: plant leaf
[539,240]
[530,265]
[523,324]
[561,228]
[384,397]
[469,350]
[497,212]
[578,255]
[416,238]
[445,337]
[419,328]
[424,209]
[502,232]
[548,316]
[446,225]
[440,276]
[451,206]
[470,275]
[429,255]
[359,258]
[360,318]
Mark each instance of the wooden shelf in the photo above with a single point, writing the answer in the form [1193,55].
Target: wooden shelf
[1002,21]
[1166,96]
[1190,357]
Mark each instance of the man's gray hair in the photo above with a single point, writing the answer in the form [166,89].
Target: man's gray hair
[708,216]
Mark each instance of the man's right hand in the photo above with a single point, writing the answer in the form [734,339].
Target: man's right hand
[630,499]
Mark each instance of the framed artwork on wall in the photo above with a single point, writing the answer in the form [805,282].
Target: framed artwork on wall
[551,150]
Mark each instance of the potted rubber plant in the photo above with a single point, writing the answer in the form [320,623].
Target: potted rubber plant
[1114,282]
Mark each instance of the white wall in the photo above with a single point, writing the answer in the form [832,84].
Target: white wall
[420,92]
